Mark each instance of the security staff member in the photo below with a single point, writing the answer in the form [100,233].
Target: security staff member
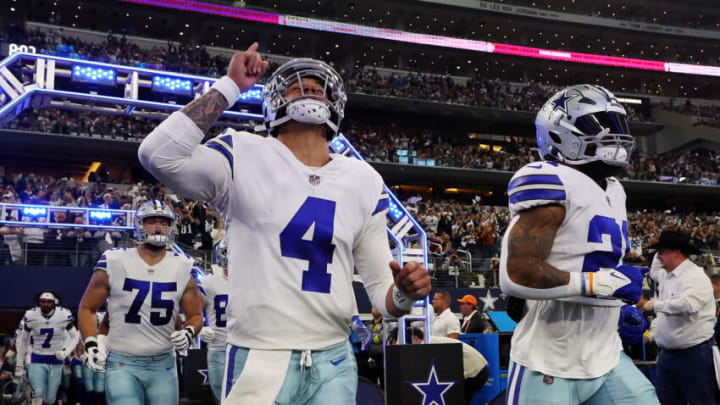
[685,320]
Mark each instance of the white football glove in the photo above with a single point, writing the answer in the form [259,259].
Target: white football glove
[95,359]
[62,354]
[182,338]
[19,370]
[102,343]
[207,334]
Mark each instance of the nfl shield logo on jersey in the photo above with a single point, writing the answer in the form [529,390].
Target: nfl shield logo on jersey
[314,179]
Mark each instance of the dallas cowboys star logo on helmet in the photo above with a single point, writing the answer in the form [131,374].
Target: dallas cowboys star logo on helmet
[561,102]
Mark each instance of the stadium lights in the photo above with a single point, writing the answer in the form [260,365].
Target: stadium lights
[91,74]
[251,96]
[627,100]
[173,85]
[100,215]
[395,212]
[34,211]
[337,145]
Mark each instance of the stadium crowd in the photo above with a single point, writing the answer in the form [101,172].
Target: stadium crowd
[196,60]
[198,228]
[453,225]
[391,144]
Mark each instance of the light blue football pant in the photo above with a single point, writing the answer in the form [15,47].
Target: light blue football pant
[138,380]
[331,380]
[623,385]
[94,381]
[45,380]
[216,369]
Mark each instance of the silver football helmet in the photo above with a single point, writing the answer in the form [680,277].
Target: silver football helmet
[15,392]
[582,124]
[221,253]
[328,108]
[159,235]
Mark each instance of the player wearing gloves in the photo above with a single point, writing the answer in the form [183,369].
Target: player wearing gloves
[145,287]
[92,369]
[50,329]
[563,251]
[214,289]
[299,220]
[632,325]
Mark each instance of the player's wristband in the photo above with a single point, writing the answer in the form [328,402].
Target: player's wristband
[401,302]
[90,342]
[191,329]
[227,87]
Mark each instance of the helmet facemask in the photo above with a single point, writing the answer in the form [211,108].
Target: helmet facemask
[155,234]
[327,108]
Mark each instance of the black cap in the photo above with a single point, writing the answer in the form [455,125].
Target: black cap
[676,240]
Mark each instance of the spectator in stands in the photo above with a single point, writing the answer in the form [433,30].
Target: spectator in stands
[186,229]
[34,237]
[84,244]
[636,250]
[59,242]
[472,321]
[445,323]
[12,238]
[685,324]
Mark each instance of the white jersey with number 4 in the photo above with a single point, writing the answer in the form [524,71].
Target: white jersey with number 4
[296,232]
[292,232]
[573,337]
[47,334]
[143,300]
[214,289]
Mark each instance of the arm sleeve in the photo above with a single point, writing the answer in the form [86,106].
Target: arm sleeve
[21,344]
[372,259]
[72,337]
[173,154]
[695,294]
[657,272]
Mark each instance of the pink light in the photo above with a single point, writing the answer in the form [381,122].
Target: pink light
[576,57]
[427,39]
[214,9]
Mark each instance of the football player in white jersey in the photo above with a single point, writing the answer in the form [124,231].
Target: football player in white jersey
[563,251]
[145,287]
[50,337]
[214,289]
[299,220]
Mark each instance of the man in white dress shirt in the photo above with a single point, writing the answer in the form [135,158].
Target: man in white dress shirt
[685,321]
[445,324]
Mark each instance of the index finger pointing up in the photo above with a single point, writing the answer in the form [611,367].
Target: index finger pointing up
[253,47]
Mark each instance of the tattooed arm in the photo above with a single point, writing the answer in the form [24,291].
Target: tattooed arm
[524,271]
[206,110]
[172,152]
[529,244]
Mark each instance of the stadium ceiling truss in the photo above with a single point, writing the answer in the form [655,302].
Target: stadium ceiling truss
[44,81]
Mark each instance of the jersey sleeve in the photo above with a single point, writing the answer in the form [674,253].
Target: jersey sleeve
[173,154]
[371,251]
[535,185]
[102,262]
